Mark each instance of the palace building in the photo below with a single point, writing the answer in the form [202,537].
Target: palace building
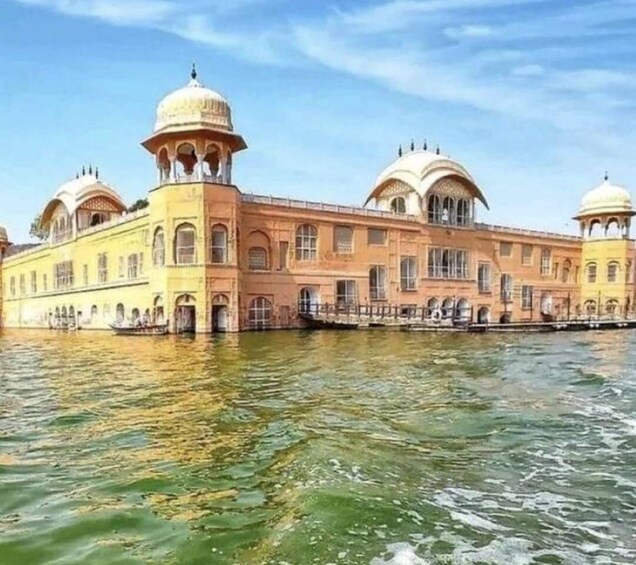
[203,256]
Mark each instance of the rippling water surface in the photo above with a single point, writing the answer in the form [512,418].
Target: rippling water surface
[329,448]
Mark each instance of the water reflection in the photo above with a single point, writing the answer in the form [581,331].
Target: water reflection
[305,447]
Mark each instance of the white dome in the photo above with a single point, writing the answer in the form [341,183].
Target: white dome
[74,193]
[196,106]
[420,170]
[606,198]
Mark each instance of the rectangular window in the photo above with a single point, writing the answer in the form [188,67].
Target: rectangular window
[102,267]
[612,272]
[408,273]
[133,266]
[122,267]
[34,282]
[546,262]
[591,273]
[526,297]
[377,282]
[63,277]
[483,278]
[283,250]
[44,282]
[22,285]
[12,286]
[85,274]
[448,263]
[376,236]
[555,271]
[506,288]
[346,294]
[343,240]
[526,254]
[505,249]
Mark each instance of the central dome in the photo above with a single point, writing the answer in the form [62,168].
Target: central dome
[193,106]
[606,198]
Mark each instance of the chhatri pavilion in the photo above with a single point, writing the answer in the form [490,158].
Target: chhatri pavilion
[203,256]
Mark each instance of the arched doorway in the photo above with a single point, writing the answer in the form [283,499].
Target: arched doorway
[447,308]
[483,315]
[220,306]
[462,311]
[308,300]
[120,314]
[158,317]
[185,314]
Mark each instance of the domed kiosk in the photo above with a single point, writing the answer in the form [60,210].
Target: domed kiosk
[79,204]
[605,207]
[423,182]
[193,138]
[605,217]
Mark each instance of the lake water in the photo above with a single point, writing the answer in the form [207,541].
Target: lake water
[327,447]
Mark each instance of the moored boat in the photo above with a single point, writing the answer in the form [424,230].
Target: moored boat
[158,329]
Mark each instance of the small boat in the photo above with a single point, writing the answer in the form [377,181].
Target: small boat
[161,329]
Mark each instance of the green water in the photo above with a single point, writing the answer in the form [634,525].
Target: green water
[327,448]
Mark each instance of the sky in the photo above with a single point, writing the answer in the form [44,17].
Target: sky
[537,98]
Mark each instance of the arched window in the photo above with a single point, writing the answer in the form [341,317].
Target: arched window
[590,307]
[218,244]
[306,243]
[565,273]
[93,312]
[260,312]
[546,262]
[590,271]
[612,272]
[257,259]
[398,205]
[613,229]
[611,306]
[120,313]
[434,209]
[186,162]
[185,245]
[158,248]
[595,230]
[135,316]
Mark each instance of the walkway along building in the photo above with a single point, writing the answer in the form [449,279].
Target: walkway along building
[203,256]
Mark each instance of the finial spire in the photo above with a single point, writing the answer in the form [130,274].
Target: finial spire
[96,172]
[425,145]
[437,150]
[412,145]
[606,176]
[83,170]
[90,169]
[400,151]
[193,72]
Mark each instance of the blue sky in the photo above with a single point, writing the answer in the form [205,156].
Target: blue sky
[537,98]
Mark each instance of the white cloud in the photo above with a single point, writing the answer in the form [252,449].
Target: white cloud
[119,12]
[528,71]
[468,31]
